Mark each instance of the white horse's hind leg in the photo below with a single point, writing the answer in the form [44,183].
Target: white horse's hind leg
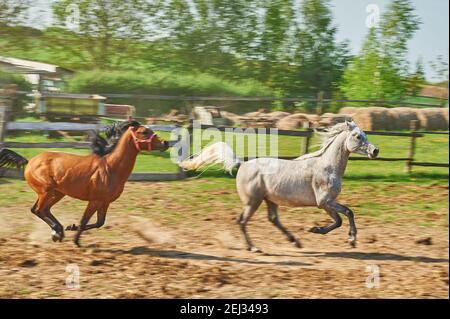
[248,212]
[273,218]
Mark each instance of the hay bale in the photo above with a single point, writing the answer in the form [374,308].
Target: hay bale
[433,119]
[277,115]
[234,119]
[402,117]
[292,122]
[253,114]
[314,120]
[445,113]
[202,115]
[330,119]
[173,112]
[349,110]
[374,118]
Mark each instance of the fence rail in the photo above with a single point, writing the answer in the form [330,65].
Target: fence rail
[306,135]
[413,134]
[71,127]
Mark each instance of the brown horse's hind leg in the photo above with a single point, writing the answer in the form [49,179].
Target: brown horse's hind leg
[101,217]
[90,210]
[42,209]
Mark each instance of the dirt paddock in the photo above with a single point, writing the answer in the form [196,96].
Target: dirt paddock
[158,244]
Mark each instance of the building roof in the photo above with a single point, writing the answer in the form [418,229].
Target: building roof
[28,66]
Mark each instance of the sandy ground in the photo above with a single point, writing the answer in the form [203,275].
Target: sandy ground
[138,256]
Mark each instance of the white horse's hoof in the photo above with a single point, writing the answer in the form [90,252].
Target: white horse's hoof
[297,244]
[317,230]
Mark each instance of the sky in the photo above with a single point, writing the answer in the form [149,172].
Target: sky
[350,17]
[429,42]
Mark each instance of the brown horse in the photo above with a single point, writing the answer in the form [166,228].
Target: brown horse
[97,178]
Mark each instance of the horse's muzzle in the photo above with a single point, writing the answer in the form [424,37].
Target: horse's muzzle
[373,152]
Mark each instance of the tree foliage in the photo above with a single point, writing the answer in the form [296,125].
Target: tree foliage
[380,71]
[289,46]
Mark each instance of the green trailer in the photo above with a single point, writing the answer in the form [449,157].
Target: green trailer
[64,107]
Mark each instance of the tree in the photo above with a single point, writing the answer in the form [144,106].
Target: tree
[12,12]
[12,15]
[398,26]
[417,78]
[319,58]
[440,67]
[101,32]
[380,71]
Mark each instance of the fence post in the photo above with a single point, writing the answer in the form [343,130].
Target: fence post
[191,135]
[305,144]
[412,146]
[4,110]
[3,122]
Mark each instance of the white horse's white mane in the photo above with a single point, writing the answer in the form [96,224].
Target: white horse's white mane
[328,136]
[334,131]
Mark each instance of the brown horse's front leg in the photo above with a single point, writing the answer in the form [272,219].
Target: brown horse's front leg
[90,210]
[101,216]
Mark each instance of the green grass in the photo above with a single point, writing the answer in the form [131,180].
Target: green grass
[375,189]
[401,202]
[430,148]
[146,162]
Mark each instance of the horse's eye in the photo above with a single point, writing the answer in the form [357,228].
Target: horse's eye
[358,137]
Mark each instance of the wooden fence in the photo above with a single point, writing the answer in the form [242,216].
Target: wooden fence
[317,103]
[307,135]
[6,126]
[71,127]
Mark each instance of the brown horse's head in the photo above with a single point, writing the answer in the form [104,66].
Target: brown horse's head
[147,140]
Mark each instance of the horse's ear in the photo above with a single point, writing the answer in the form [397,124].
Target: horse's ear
[350,124]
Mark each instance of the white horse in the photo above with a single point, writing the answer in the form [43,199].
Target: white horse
[310,180]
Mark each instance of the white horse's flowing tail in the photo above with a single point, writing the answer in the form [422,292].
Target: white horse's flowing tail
[217,153]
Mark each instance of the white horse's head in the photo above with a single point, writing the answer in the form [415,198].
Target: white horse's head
[357,142]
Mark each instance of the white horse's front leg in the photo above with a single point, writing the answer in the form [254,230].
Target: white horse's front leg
[333,208]
[326,191]
[351,220]
[330,209]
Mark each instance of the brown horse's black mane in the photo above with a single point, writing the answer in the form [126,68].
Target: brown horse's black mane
[102,146]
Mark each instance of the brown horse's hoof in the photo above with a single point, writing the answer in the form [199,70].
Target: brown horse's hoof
[254,250]
[72,227]
[77,241]
[57,236]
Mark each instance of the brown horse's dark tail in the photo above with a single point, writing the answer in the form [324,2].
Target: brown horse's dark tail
[10,158]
